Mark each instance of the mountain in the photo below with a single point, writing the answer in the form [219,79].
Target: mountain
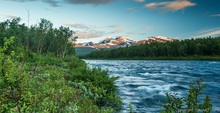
[123,42]
[160,39]
[112,43]
[109,43]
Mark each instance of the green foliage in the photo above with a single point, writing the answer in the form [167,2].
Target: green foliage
[37,75]
[45,83]
[189,104]
[188,48]
[95,83]
[130,108]
[13,79]
[40,39]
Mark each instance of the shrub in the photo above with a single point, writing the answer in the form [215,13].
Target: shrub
[98,82]
[13,79]
[189,104]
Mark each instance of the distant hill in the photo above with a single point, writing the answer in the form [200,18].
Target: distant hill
[192,49]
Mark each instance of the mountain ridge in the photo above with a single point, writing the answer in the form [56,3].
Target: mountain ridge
[122,41]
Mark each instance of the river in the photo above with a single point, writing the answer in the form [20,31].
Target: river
[145,82]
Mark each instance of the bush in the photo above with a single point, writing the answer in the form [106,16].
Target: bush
[189,104]
[98,82]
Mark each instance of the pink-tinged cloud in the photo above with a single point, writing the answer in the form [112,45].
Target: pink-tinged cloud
[139,0]
[171,5]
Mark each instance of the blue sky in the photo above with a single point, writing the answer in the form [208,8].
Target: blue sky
[94,20]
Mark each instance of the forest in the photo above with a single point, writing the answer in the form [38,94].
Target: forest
[199,49]
[39,72]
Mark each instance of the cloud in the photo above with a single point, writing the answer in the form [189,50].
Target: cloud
[113,26]
[86,31]
[131,9]
[56,3]
[96,2]
[131,33]
[76,25]
[139,0]
[11,16]
[148,27]
[88,34]
[117,29]
[208,32]
[142,33]
[170,6]
[216,15]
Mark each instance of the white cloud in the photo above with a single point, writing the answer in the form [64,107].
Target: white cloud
[87,34]
[170,6]
[208,32]
[11,16]
[113,26]
[96,2]
[56,3]
[84,31]
[139,0]
[148,27]
[131,9]
[117,29]
[77,25]
[130,33]
[216,15]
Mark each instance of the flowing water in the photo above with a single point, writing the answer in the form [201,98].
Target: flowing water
[145,82]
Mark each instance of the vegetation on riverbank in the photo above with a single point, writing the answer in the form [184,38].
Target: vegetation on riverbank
[161,58]
[188,49]
[39,73]
[191,103]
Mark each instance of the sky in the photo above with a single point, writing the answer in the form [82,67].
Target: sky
[95,20]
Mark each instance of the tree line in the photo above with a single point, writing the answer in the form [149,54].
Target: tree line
[209,46]
[41,38]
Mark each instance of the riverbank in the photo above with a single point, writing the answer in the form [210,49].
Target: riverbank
[47,83]
[161,58]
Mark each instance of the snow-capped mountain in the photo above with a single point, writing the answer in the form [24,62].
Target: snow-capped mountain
[122,41]
[110,43]
[161,39]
